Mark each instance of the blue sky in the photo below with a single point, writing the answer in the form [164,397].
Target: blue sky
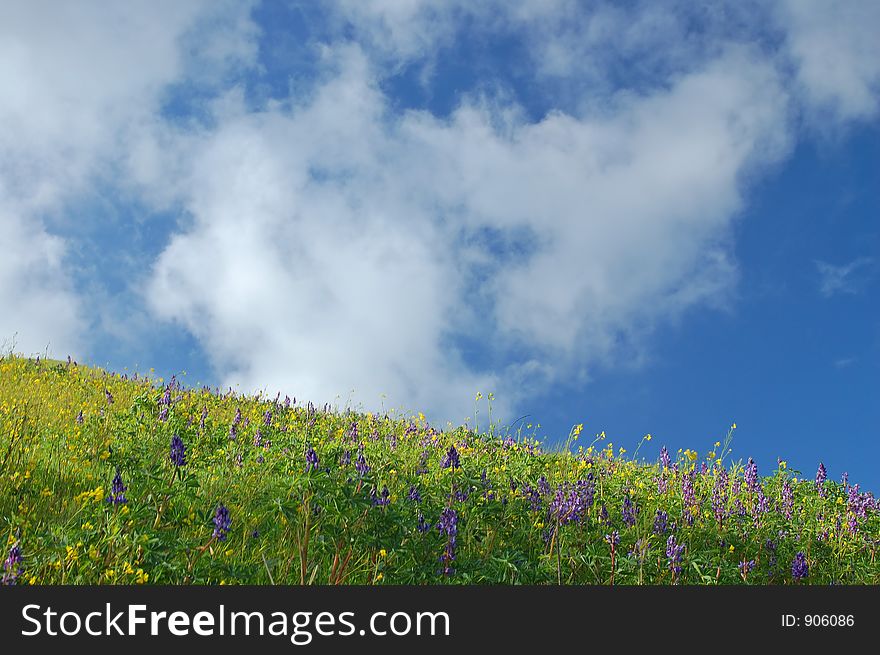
[644,217]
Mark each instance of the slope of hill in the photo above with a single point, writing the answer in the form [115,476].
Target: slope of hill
[111,479]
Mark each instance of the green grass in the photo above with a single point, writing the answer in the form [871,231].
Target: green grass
[290,526]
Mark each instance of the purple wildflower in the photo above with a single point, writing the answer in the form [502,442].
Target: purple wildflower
[629,512]
[787,499]
[222,522]
[613,539]
[79,417]
[423,525]
[531,494]
[108,396]
[311,460]
[267,418]
[345,460]
[821,476]
[674,553]
[117,490]
[450,459]
[799,569]
[414,495]
[688,494]
[745,567]
[662,484]
[665,460]
[178,451]
[661,519]
[543,486]
[572,501]
[12,568]
[423,463]
[382,499]
[360,465]
[751,475]
[448,526]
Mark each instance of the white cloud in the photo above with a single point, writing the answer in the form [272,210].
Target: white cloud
[837,54]
[39,310]
[79,83]
[333,245]
[846,278]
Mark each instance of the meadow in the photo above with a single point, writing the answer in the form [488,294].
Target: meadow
[107,478]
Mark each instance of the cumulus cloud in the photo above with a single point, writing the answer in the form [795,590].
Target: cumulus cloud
[837,55]
[337,246]
[80,84]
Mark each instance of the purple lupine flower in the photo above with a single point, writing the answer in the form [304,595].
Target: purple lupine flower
[345,460]
[787,499]
[674,553]
[448,526]
[414,495]
[79,417]
[108,396]
[258,438]
[844,480]
[178,451]
[751,474]
[163,414]
[12,568]
[745,567]
[762,503]
[688,494]
[360,465]
[799,569]
[423,463]
[852,524]
[571,502]
[661,519]
[629,512]
[117,490]
[665,460]
[821,476]
[267,418]
[603,514]
[311,459]
[450,459]
[423,525]
[613,539]
[237,418]
[662,484]
[203,417]
[859,503]
[382,499]
[531,494]
[222,522]
[543,486]
[233,431]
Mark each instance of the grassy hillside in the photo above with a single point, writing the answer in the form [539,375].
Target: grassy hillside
[106,479]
